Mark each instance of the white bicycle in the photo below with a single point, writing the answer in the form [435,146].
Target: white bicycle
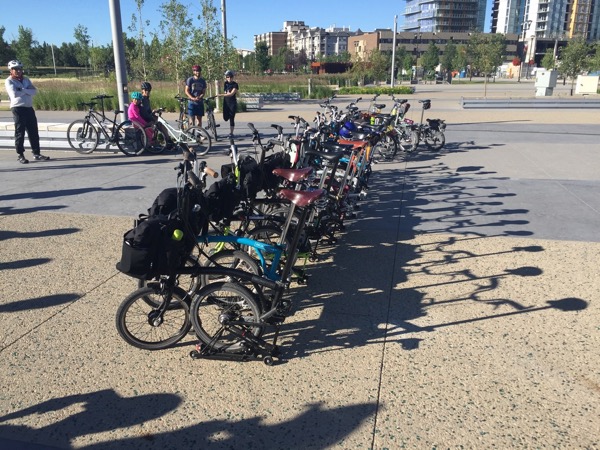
[196,139]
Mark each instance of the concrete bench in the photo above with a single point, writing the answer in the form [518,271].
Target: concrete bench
[530,103]
[252,101]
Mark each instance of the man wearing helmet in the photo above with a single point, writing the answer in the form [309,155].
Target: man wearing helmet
[195,87]
[21,90]
[145,108]
[148,114]
[230,89]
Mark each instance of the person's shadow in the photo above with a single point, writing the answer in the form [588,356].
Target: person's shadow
[100,411]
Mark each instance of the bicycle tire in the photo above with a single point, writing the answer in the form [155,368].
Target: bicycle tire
[83,136]
[159,142]
[198,139]
[408,140]
[217,301]
[232,259]
[135,324]
[434,139]
[386,148]
[212,125]
[131,138]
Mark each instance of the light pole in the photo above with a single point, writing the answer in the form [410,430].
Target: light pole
[526,26]
[417,52]
[394,50]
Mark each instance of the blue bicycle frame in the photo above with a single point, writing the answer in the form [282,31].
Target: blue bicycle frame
[261,249]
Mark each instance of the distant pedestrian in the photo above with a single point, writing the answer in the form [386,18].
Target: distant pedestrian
[195,88]
[230,89]
[21,90]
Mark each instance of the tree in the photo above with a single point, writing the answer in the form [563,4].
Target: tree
[549,61]
[450,57]
[378,66]
[83,39]
[574,58]
[209,47]
[595,59]
[6,53]
[23,46]
[263,60]
[487,53]
[176,28]
[431,58]
[138,58]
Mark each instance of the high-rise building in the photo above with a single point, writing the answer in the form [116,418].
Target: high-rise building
[438,16]
[543,24]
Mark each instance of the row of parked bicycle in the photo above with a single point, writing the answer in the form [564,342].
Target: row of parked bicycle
[221,258]
[392,131]
[132,139]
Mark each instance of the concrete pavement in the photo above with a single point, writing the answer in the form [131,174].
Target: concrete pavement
[460,309]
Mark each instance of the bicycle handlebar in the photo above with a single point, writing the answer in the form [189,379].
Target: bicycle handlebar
[101,97]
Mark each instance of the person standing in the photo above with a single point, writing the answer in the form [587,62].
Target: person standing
[21,90]
[195,88]
[230,89]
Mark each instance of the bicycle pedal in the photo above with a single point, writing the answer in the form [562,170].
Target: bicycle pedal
[217,125]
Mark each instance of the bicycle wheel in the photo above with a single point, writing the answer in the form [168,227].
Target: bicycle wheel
[217,304]
[158,144]
[212,126]
[408,140]
[232,259]
[198,139]
[140,324]
[82,136]
[386,148]
[434,139]
[131,138]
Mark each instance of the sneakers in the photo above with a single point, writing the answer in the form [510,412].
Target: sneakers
[22,159]
[40,157]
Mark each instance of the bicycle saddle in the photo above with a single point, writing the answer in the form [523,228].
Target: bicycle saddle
[293,175]
[301,198]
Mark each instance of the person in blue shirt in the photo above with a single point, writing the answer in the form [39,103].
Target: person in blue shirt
[195,88]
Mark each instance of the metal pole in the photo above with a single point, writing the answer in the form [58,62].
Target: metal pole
[119,51]
[53,60]
[394,50]
[224,20]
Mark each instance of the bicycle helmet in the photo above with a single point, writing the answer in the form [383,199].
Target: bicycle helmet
[347,129]
[196,67]
[145,86]
[229,73]
[15,64]
[136,95]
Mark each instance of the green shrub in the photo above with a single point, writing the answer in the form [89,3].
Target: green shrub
[372,90]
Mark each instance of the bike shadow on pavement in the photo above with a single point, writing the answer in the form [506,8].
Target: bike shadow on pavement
[417,245]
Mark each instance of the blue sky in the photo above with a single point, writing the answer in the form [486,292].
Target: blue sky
[53,21]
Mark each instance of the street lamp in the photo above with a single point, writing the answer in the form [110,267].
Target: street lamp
[417,52]
[526,26]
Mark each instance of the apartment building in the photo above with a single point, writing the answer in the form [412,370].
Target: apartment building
[544,24]
[362,44]
[449,16]
[314,41]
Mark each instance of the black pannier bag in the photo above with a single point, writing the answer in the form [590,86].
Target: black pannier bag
[221,198]
[159,243]
[279,160]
